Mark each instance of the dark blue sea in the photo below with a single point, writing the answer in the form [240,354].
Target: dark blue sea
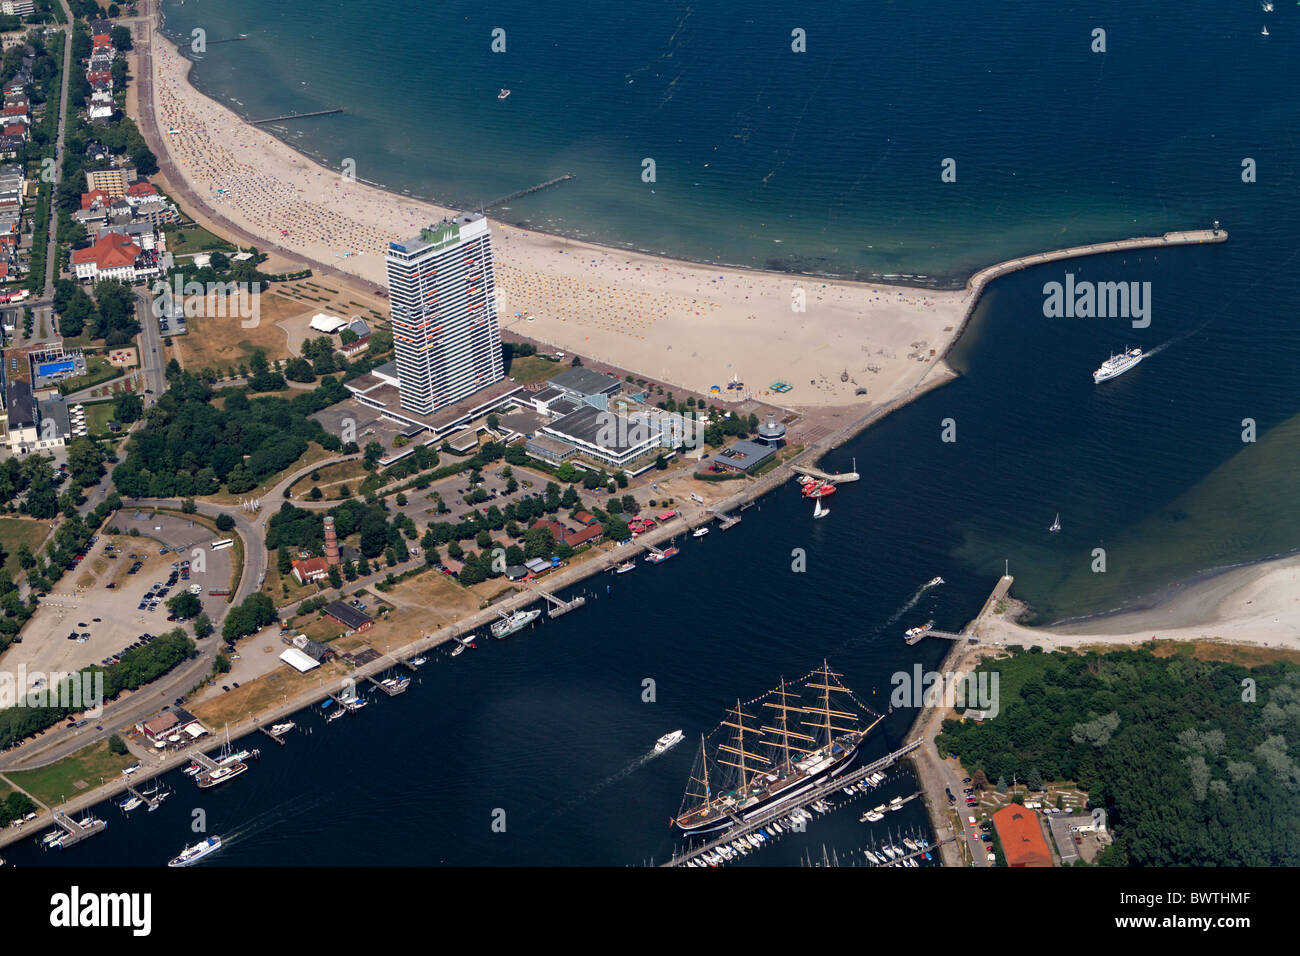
[837,153]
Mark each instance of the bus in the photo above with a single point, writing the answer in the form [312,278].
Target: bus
[222,544]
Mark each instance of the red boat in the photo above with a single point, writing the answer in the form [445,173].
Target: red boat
[818,489]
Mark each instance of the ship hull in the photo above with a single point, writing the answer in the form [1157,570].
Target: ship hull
[775,800]
[1100,376]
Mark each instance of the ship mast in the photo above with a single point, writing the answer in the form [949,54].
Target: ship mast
[784,731]
[739,750]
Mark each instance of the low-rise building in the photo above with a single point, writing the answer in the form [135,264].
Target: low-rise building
[1022,838]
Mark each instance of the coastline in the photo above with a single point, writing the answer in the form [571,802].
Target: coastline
[936,373]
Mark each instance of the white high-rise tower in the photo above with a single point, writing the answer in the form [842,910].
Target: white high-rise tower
[442,293]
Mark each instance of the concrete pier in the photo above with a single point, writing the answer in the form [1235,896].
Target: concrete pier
[294,116]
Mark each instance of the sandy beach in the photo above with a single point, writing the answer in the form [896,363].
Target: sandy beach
[1258,604]
[684,323]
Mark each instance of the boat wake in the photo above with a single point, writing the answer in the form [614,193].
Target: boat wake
[603,785]
[911,602]
[1176,339]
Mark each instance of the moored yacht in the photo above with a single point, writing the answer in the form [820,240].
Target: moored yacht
[510,623]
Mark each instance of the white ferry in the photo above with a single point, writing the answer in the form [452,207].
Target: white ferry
[197,852]
[1117,365]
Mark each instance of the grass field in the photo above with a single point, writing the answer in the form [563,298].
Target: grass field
[65,779]
[16,531]
[186,240]
[98,369]
[533,368]
[98,416]
[344,471]
[313,454]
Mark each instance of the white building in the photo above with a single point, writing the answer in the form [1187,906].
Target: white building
[441,289]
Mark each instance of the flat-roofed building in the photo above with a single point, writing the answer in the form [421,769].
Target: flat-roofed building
[743,456]
[605,436]
[581,383]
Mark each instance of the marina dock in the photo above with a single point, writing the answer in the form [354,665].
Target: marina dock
[267,731]
[392,687]
[75,832]
[824,789]
[558,607]
[725,520]
[294,116]
[825,476]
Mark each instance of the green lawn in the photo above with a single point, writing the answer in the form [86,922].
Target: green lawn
[98,415]
[185,240]
[98,369]
[533,368]
[59,781]
[16,531]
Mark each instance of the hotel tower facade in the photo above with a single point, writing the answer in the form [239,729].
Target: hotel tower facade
[442,294]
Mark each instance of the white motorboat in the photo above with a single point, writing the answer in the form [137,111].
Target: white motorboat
[197,852]
[667,741]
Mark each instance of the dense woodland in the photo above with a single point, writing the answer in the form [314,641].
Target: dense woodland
[190,447]
[1191,759]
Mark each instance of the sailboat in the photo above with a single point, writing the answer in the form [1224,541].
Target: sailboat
[764,759]
[819,511]
[1056,524]
[1264,32]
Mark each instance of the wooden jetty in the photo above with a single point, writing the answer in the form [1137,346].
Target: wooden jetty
[999,592]
[725,520]
[826,476]
[530,189]
[558,607]
[75,832]
[394,688]
[824,789]
[294,116]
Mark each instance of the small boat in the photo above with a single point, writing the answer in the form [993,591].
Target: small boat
[503,94]
[418,661]
[197,852]
[335,715]
[1264,32]
[668,740]
[51,838]
[458,649]
[127,771]
[130,803]
[819,511]
[934,582]
[223,774]
[279,730]
[656,557]
[625,567]
[511,623]
[157,801]
[699,532]
[191,770]
[1056,524]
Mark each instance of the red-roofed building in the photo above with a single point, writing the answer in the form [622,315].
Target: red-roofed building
[96,197]
[312,569]
[584,517]
[1022,838]
[587,535]
[102,39]
[141,188]
[100,77]
[113,256]
[15,129]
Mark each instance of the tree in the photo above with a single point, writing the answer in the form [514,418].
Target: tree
[225,522]
[121,38]
[116,745]
[202,626]
[185,605]
[127,407]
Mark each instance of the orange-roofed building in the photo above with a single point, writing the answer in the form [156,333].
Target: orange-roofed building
[93,198]
[141,189]
[112,257]
[1022,838]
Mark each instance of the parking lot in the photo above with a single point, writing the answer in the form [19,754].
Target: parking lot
[95,612]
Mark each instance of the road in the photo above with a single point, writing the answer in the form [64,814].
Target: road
[52,249]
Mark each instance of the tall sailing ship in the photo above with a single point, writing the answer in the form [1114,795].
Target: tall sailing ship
[807,731]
